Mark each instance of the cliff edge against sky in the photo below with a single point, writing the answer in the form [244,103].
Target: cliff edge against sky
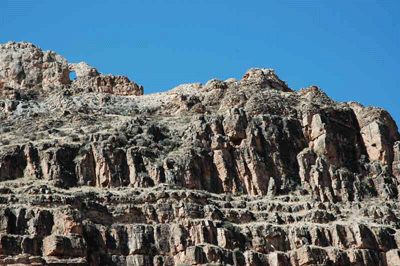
[234,172]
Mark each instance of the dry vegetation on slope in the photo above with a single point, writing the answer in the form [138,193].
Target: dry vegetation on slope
[232,172]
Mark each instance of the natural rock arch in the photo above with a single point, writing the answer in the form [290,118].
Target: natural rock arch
[72,76]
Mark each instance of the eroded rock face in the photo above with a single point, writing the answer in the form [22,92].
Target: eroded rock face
[26,71]
[234,172]
[89,78]
[25,67]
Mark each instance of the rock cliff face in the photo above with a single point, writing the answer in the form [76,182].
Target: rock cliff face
[26,71]
[234,172]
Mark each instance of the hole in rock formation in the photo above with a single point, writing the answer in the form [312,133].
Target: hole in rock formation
[72,76]
[235,172]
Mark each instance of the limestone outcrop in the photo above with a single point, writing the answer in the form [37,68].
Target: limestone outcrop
[27,72]
[234,172]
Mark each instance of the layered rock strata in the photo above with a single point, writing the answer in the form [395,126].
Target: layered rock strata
[234,172]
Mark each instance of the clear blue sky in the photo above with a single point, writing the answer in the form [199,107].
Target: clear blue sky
[351,49]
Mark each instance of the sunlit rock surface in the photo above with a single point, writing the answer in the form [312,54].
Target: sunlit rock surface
[234,172]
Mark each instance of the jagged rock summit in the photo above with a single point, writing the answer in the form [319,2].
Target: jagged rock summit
[234,172]
[26,69]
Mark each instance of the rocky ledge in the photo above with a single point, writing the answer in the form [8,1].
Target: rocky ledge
[234,172]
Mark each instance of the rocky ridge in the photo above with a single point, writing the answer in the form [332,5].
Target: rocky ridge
[234,172]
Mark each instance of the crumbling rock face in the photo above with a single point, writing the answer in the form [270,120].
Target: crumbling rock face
[89,78]
[27,71]
[378,130]
[25,67]
[234,172]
